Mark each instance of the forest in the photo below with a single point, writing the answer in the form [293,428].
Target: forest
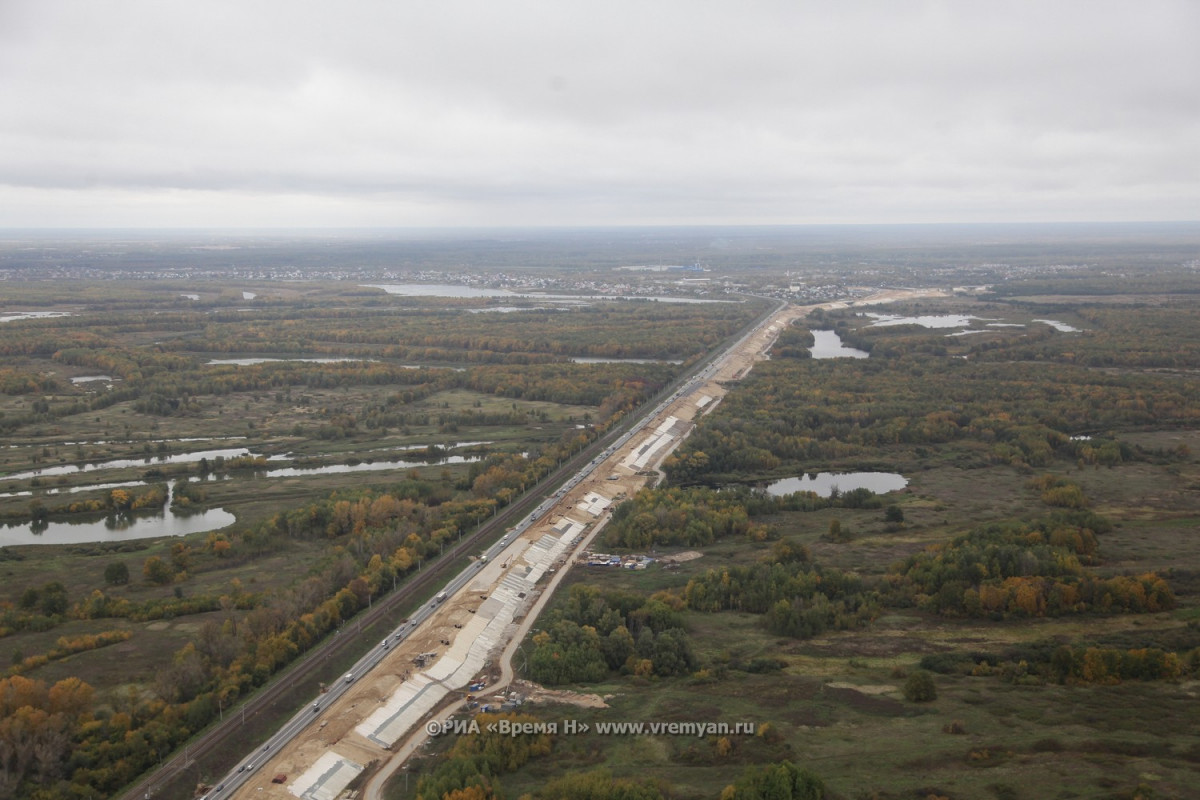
[1020,611]
[203,621]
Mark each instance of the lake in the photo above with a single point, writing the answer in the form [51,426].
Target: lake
[828,344]
[125,463]
[118,528]
[248,362]
[823,483]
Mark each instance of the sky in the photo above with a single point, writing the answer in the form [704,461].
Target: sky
[417,113]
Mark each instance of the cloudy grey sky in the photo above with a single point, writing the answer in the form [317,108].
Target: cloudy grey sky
[513,112]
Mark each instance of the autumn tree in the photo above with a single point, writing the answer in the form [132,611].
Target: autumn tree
[155,570]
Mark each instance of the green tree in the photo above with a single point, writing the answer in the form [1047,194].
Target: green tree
[782,781]
[54,599]
[919,687]
[116,574]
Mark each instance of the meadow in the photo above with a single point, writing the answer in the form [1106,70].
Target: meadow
[997,432]
[357,435]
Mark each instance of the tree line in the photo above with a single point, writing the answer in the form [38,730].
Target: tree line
[597,633]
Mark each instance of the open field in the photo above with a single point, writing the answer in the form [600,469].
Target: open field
[972,421]
[292,449]
[834,703]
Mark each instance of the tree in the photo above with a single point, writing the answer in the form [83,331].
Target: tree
[919,687]
[782,781]
[116,574]
[54,599]
[157,571]
[893,514]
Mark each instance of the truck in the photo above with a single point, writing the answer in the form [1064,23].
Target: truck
[441,597]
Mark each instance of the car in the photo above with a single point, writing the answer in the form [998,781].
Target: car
[316,706]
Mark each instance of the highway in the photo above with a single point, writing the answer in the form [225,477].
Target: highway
[252,762]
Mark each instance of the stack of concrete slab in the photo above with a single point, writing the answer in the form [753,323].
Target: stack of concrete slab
[325,779]
[593,503]
[569,528]
[542,555]
[473,644]
[642,455]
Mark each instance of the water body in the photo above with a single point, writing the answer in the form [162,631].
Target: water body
[90,378]
[246,362]
[125,463]
[91,487]
[1058,326]
[823,483]
[454,290]
[925,321]
[589,360]
[120,528]
[374,466]
[957,321]
[20,315]
[282,472]
[168,523]
[828,344]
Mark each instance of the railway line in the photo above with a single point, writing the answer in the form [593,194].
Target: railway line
[176,774]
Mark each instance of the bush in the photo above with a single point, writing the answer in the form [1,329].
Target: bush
[919,687]
[116,574]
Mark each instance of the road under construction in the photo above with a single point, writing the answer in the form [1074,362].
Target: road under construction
[464,636]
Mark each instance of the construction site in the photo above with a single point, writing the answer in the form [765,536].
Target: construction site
[465,646]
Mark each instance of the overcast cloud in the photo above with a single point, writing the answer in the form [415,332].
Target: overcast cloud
[412,112]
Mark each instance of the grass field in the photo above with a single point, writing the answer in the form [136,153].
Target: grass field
[837,705]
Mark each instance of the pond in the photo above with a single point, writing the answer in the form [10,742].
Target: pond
[125,463]
[828,344]
[823,483]
[597,360]
[281,472]
[248,362]
[374,466]
[14,316]
[1058,326]
[117,528]
[925,321]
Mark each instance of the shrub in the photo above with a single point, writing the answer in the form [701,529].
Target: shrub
[919,687]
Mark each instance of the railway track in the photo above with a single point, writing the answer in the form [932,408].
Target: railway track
[173,775]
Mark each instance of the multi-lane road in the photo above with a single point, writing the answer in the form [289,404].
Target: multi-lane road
[604,458]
